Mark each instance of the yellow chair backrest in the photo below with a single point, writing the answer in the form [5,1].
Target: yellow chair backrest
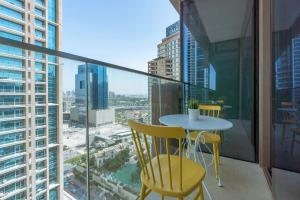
[210,110]
[141,133]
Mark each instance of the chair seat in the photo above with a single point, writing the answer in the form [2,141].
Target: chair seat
[209,137]
[192,176]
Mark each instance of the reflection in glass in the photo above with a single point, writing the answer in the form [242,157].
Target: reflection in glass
[286,99]
[218,58]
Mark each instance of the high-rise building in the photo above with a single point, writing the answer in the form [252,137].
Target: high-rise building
[167,64]
[97,86]
[296,68]
[287,70]
[161,67]
[30,121]
[195,67]
[97,96]
[170,48]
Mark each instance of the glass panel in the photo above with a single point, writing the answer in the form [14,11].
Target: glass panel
[286,100]
[11,12]
[18,3]
[116,96]
[39,23]
[11,25]
[51,36]
[39,34]
[39,12]
[52,10]
[218,55]
[41,2]
[74,132]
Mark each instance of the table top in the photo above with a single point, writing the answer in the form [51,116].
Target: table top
[205,123]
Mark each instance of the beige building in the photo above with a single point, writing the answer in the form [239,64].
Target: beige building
[96,117]
[170,48]
[161,67]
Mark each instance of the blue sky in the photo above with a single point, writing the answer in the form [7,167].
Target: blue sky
[122,32]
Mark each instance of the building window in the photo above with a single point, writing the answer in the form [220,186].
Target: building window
[81,84]
[52,95]
[11,12]
[11,25]
[52,10]
[17,3]
[51,36]
[39,12]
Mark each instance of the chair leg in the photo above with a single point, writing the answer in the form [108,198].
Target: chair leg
[143,192]
[216,160]
[222,137]
[218,155]
[162,197]
[201,196]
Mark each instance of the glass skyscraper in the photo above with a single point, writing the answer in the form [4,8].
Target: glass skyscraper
[98,86]
[30,124]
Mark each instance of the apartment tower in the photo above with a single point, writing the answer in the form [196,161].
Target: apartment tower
[30,102]
[170,48]
[161,67]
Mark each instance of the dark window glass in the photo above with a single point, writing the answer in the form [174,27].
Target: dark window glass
[218,57]
[285,143]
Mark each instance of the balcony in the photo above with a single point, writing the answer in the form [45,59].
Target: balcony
[112,157]
[82,106]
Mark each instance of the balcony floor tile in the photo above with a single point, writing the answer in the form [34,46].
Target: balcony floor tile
[241,181]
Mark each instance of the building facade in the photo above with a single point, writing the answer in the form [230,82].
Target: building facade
[30,121]
[161,67]
[195,67]
[97,86]
[170,48]
[99,113]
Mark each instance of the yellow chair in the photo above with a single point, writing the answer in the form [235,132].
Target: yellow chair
[166,174]
[211,137]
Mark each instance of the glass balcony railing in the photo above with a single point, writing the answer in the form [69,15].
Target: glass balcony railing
[97,101]
[114,95]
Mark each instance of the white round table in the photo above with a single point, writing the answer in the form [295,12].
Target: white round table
[204,123]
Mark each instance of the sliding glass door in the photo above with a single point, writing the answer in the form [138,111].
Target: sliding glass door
[218,56]
[285,144]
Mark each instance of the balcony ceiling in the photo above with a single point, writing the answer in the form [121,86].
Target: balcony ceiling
[222,20]
[290,11]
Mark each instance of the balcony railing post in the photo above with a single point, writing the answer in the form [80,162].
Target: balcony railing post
[87,132]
